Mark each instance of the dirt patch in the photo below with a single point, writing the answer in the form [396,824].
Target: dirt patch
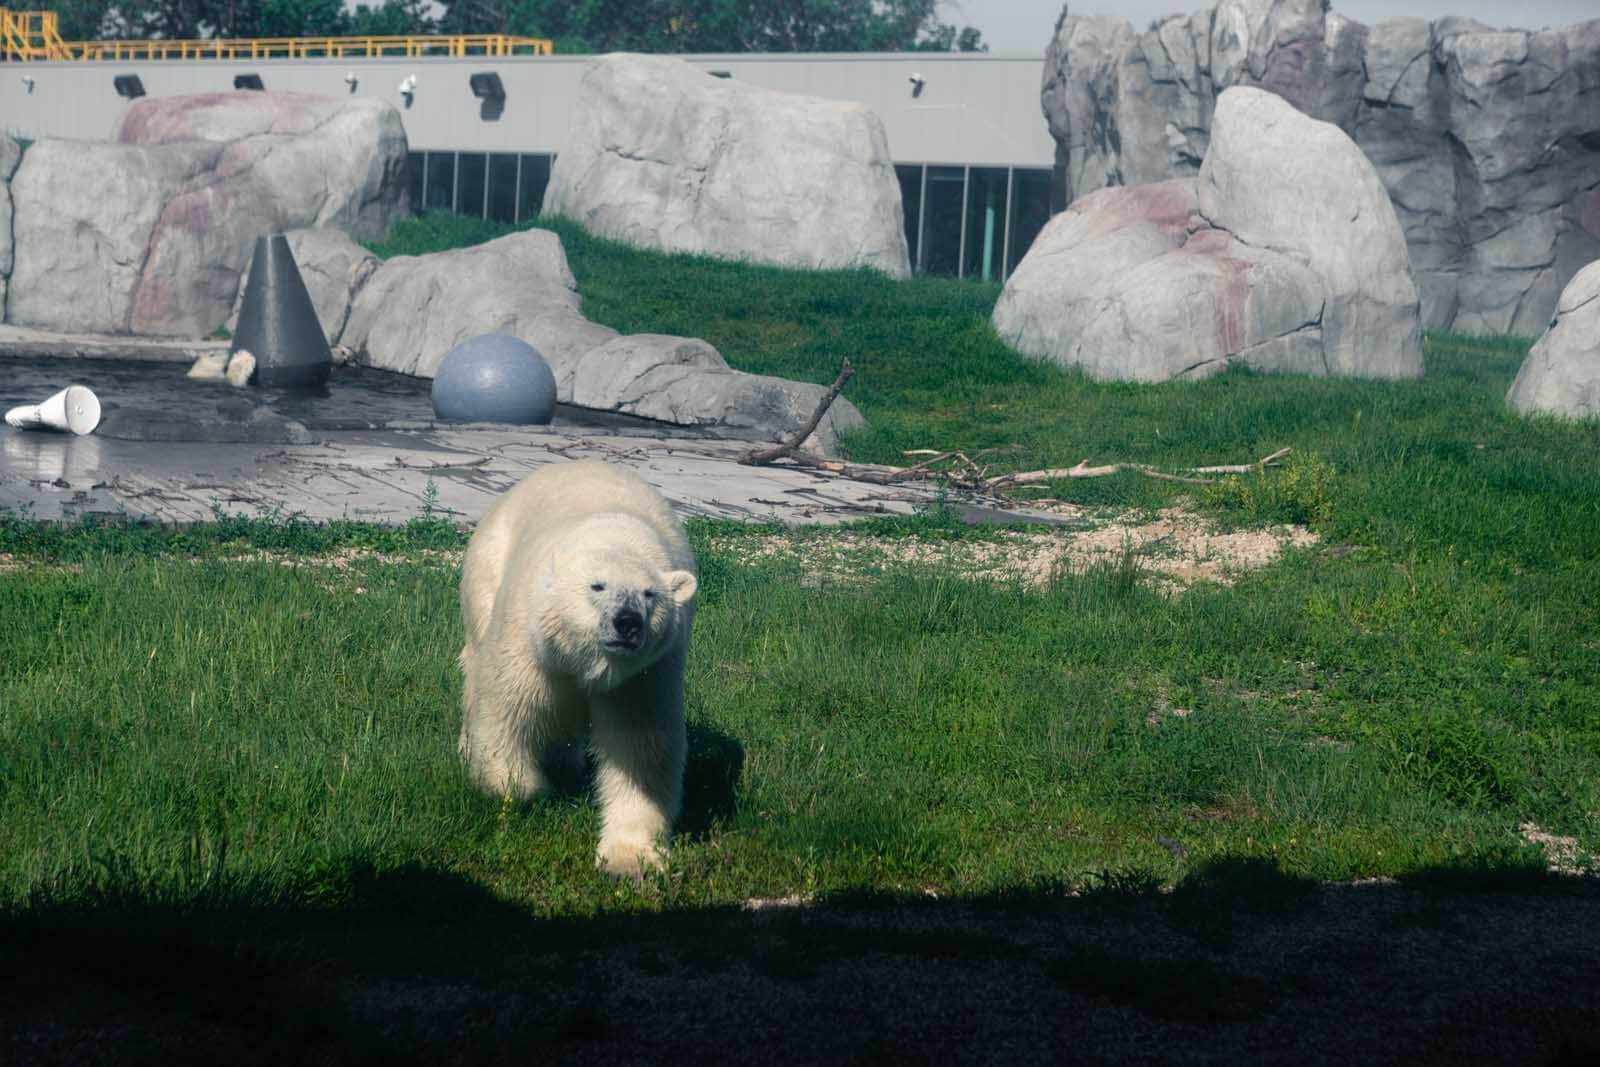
[1176,548]
[1562,854]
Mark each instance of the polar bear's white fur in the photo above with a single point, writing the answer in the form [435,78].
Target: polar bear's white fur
[578,597]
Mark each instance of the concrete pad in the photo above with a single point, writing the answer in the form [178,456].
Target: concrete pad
[366,448]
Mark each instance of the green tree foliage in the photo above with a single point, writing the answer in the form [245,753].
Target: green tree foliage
[392,18]
[575,25]
[716,25]
[88,20]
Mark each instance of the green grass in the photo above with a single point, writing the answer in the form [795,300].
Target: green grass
[180,727]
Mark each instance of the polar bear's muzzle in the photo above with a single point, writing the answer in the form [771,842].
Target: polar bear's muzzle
[624,629]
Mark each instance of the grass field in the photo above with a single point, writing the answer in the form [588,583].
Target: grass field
[263,713]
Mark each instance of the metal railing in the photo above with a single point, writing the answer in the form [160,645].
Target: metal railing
[27,35]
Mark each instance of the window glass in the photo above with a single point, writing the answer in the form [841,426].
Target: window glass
[503,187]
[911,199]
[535,176]
[941,221]
[1030,194]
[471,170]
[986,223]
[415,161]
[441,181]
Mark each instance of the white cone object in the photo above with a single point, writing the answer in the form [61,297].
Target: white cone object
[75,408]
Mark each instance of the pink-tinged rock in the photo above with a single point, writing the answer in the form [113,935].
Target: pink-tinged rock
[151,233]
[1277,179]
[1561,375]
[1283,259]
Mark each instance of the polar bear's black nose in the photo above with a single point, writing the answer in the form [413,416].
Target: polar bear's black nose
[628,624]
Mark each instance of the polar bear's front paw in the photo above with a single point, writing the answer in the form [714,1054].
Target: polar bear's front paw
[630,860]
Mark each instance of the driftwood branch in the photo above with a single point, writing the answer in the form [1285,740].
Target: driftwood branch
[790,448]
[1083,470]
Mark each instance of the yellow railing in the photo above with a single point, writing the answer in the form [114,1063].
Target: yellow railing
[31,35]
[34,35]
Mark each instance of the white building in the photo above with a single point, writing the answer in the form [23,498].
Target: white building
[969,140]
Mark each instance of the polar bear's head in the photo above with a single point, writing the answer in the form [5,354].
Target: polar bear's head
[616,613]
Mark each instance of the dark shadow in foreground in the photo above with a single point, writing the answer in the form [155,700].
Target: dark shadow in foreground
[1240,963]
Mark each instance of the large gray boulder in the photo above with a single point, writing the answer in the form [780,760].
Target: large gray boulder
[85,217]
[686,382]
[663,155]
[1486,141]
[1561,375]
[409,312]
[10,156]
[333,267]
[414,309]
[1283,255]
[1276,179]
[150,234]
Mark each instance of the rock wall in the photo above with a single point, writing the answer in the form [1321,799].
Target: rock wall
[1488,142]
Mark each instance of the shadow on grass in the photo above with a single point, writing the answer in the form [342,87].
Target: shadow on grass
[1240,962]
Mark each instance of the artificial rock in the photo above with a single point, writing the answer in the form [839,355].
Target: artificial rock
[1283,254]
[1487,141]
[663,155]
[150,234]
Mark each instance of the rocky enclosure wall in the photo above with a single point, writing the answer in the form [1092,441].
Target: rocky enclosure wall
[1487,141]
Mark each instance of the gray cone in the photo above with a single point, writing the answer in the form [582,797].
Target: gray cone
[277,323]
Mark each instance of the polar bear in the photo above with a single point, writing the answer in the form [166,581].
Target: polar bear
[578,594]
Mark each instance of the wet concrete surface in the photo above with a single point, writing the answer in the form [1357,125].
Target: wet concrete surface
[366,447]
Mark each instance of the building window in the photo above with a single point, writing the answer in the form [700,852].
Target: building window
[911,200]
[416,174]
[984,251]
[1030,210]
[940,250]
[472,172]
[441,189]
[530,195]
[503,187]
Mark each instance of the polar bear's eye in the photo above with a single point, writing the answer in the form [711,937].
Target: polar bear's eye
[598,587]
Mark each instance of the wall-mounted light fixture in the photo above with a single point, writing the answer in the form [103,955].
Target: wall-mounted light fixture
[248,81]
[491,93]
[128,86]
[351,80]
[720,73]
[487,86]
[917,82]
[27,82]
[408,86]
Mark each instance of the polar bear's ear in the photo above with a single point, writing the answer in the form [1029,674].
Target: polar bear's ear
[681,584]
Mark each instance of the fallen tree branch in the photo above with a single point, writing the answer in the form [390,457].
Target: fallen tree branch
[1244,468]
[1083,470]
[790,448]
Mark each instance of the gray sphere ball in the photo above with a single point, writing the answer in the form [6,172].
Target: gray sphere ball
[494,378]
